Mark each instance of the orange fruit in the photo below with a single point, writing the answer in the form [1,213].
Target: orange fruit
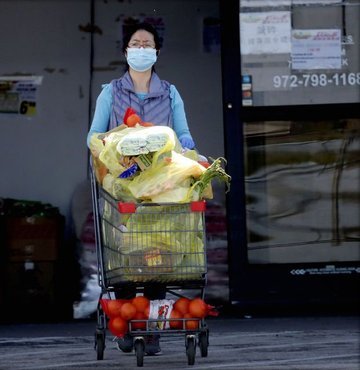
[175,324]
[198,308]
[127,311]
[114,307]
[118,326]
[140,303]
[191,324]
[140,325]
[182,305]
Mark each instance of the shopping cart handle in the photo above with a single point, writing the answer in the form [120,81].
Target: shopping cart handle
[198,206]
[126,207]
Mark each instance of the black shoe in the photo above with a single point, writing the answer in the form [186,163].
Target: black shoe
[125,344]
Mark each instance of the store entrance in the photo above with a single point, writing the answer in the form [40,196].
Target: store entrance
[291,84]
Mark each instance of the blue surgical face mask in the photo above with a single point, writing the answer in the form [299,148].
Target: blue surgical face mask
[141,59]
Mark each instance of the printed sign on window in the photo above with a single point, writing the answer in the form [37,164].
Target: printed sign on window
[316,49]
[281,3]
[265,32]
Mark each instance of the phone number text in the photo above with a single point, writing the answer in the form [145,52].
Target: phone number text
[316,80]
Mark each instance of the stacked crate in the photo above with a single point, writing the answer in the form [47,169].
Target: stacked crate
[32,245]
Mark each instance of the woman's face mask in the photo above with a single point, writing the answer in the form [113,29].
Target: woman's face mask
[141,59]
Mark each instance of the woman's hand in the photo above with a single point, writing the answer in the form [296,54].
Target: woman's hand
[187,142]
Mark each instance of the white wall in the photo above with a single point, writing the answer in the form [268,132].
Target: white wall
[44,158]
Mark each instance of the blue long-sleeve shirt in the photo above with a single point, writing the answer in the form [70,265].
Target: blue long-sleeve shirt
[104,102]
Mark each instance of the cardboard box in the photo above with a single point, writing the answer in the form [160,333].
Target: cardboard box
[33,238]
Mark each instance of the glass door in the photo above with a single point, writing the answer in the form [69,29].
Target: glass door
[291,89]
[302,191]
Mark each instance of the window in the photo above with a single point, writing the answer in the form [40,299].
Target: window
[302,191]
[296,52]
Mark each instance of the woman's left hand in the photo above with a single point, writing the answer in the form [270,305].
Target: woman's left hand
[187,142]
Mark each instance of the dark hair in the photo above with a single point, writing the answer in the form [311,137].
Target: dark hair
[130,29]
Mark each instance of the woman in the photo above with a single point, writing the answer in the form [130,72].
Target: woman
[156,101]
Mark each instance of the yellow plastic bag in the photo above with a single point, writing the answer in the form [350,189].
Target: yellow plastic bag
[158,239]
[110,157]
[176,195]
[115,146]
[96,145]
[165,176]
[118,188]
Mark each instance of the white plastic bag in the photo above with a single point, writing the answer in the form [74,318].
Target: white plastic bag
[160,309]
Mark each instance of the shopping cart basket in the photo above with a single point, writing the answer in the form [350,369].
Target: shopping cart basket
[139,244]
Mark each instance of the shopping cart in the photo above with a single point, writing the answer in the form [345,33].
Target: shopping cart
[139,244]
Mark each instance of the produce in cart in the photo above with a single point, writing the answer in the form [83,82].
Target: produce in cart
[149,164]
[146,164]
[154,315]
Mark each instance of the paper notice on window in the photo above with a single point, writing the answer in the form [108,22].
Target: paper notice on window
[281,3]
[316,49]
[18,94]
[265,32]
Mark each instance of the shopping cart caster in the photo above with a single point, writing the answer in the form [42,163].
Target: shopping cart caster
[204,342]
[100,344]
[190,344]
[139,347]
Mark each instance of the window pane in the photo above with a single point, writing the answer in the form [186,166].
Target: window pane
[302,189]
[300,52]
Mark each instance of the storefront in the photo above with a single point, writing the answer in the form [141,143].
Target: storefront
[291,91]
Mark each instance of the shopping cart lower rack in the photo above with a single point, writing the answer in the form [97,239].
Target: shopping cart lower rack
[142,245]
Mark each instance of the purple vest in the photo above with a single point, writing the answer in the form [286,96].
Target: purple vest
[155,108]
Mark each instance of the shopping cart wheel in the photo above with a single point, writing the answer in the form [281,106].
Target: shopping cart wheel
[190,349]
[100,344]
[204,342]
[139,347]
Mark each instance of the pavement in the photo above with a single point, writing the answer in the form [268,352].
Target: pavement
[257,343]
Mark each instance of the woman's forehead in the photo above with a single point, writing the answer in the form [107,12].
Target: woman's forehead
[142,35]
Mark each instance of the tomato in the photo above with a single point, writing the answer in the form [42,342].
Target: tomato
[198,308]
[146,124]
[140,325]
[178,324]
[182,305]
[140,303]
[118,326]
[133,120]
[127,311]
[191,324]
[113,307]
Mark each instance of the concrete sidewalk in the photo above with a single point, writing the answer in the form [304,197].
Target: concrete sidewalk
[284,343]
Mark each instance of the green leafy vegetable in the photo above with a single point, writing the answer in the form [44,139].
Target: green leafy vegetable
[215,170]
